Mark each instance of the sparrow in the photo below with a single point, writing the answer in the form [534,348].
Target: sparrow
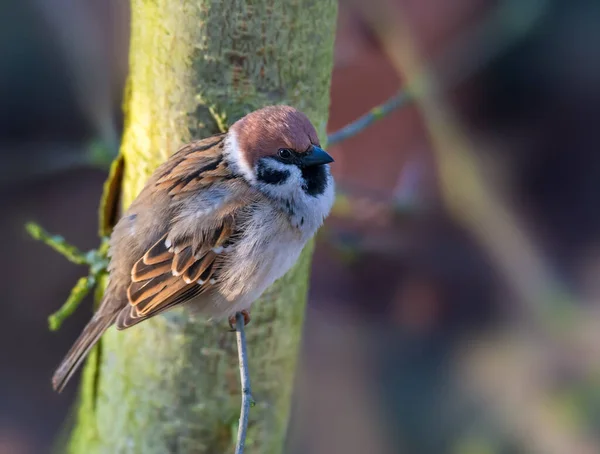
[215,225]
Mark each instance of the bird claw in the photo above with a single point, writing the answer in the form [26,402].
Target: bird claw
[232,319]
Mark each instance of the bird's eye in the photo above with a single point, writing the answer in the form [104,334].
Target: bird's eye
[284,153]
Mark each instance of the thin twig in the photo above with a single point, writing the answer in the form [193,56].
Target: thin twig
[78,293]
[466,194]
[376,113]
[247,400]
[471,51]
[56,242]
[96,259]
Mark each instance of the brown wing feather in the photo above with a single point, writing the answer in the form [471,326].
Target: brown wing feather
[180,276]
[194,167]
[129,315]
[182,261]
[158,253]
[142,271]
[173,286]
[201,271]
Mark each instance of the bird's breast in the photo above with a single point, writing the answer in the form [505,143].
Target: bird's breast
[268,246]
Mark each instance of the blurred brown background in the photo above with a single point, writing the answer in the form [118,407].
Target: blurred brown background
[417,340]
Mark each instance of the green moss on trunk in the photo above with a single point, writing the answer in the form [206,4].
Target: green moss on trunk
[171,385]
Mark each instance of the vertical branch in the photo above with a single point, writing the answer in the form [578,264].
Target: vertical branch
[165,385]
[247,400]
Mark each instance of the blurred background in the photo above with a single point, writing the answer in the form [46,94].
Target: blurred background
[454,305]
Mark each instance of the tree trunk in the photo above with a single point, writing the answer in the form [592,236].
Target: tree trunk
[171,384]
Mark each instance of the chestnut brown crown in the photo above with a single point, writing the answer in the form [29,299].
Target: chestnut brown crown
[265,131]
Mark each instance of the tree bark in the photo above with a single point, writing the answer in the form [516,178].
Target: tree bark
[171,384]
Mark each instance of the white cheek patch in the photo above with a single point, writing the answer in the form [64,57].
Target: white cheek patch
[236,160]
[287,187]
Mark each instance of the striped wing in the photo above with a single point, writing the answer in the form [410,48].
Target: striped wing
[171,274]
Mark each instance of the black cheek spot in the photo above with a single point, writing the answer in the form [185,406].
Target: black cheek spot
[271,176]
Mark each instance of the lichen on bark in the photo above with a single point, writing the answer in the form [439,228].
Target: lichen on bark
[171,384]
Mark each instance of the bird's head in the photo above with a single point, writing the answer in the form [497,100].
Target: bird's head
[277,150]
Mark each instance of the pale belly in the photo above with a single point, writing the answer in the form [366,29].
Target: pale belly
[265,255]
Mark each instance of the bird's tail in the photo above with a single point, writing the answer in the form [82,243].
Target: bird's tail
[82,346]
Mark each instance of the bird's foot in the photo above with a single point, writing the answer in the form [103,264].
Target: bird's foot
[232,319]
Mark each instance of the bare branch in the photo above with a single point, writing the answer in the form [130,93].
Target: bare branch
[96,259]
[472,200]
[78,293]
[471,50]
[56,242]
[401,99]
[247,400]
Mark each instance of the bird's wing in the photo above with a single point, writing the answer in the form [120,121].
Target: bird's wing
[185,262]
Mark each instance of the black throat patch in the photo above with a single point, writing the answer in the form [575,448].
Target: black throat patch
[316,180]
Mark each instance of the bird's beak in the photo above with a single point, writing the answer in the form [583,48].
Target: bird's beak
[316,157]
